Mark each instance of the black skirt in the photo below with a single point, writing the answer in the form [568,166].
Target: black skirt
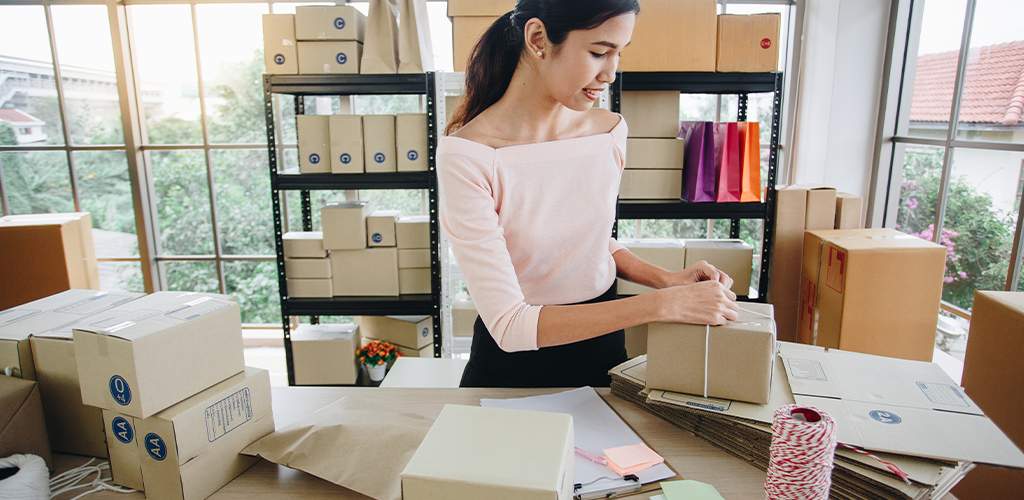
[572,365]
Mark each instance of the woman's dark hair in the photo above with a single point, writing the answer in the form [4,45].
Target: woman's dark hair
[496,55]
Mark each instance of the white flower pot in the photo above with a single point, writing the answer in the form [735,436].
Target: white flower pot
[376,372]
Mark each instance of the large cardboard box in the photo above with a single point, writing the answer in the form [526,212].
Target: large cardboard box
[346,134]
[123,444]
[380,228]
[734,257]
[329,23]
[190,450]
[463,317]
[314,143]
[673,35]
[411,142]
[310,288]
[22,430]
[279,50]
[662,154]
[366,273]
[843,305]
[636,341]
[734,361]
[413,258]
[848,211]
[73,427]
[379,143]
[304,245]
[470,19]
[413,231]
[748,43]
[409,331]
[652,114]
[329,58]
[651,185]
[462,457]
[994,379]
[307,268]
[344,225]
[666,253]
[414,281]
[325,354]
[151,353]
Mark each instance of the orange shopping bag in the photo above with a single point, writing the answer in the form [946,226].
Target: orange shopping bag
[751,160]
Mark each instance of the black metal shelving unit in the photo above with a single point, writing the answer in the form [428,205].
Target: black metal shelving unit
[740,84]
[345,85]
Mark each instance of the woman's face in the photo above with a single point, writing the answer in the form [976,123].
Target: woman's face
[585,63]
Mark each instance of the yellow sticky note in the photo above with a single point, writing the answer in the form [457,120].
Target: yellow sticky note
[689,489]
[630,456]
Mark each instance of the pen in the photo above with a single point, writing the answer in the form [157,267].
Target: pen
[592,457]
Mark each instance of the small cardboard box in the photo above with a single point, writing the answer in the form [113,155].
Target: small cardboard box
[329,23]
[344,225]
[843,307]
[22,430]
[413,231]
[380,228]
[651,185]
[462,457]
[848,211]
[190,450]
[409,331]
[734,257]
[733,361]
[821,207]
[413,281]
[411,142]
[673,35]
[413,258]
[748,43]
[365,273]
[379,143]
[304,245]
[652,114]
[346,133]
[325,354]
[123,444]
[636,341]
[279,49]
[307,268]
[666,253]
[310,288]
[470,19]
[661,154]
[314,143]
[127,357]
[408,352]
[329,58]
[463,317]
[72,426]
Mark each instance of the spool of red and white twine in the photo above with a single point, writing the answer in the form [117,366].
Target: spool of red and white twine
[802,451]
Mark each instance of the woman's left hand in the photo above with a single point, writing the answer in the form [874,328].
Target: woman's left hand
[701,271]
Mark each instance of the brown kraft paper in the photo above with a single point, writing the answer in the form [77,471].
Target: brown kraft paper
[380,50]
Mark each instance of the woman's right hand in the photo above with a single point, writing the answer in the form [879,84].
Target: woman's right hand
[701,303]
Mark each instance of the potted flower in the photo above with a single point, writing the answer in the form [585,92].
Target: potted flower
[376,355]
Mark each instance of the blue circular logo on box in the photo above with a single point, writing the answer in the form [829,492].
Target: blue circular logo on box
[339,23]
[377,238]
[314,158]
[120,391]
[155,447]
[345,158]
[122,430]
[379,157]
[413,154]
[342,58]
[279,59]
[424,332]
[885,417]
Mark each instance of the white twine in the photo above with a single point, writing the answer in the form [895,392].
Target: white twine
[707,343]
[31,482]
[68,481]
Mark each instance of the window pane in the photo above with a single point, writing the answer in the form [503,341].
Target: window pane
[697,107]
[244,217]
[992,108]
[409,201]
[183,202]
[166,57]
[232,60]
[36,182]
[87,70]
[191,276]
[285,115]
[120,276]
[105,192]
[254,284]
[28,94]
[386,104]
[922,172]
[941,28]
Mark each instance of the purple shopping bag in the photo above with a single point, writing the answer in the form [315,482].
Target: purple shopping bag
[698,161]
[728,162]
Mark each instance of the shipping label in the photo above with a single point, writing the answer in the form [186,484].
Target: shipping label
[806,369]
[228,414]
[943,394]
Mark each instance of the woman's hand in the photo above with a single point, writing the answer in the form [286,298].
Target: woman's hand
[701,271]
[702,303]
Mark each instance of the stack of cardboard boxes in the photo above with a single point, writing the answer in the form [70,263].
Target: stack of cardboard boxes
[356,144]
[316,40]
[307,265]
[654,153]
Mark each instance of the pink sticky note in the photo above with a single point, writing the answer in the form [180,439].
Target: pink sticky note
[630,456]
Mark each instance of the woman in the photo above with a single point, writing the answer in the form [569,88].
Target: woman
[529,177]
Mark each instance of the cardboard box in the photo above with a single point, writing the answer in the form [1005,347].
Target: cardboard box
[413,281]
[367,272]
[734,257]
[660,154]
[636,341]
[673,35]
[478,8]
[346,133]
[325,354]
[279,49]
[314,143]
[470,19]
[409,352]
[126,356]
[22,430]
[462,457]
[379,143]
[843,305]
[310,288]
[409,331]
[666,253]
[994,379]
[380,228]
[307,268]
[413,231]
[414,258]
[651,185]
[652,114]
[848,211]
[191,449]
[748,44]
[123,444]
[733,361]
[411,142]
[329,58]
[821,207]
[304,245]
[463,318]
[344,225]
[73,427]
[329,23]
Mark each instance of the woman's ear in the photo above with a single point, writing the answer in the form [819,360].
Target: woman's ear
[536,38]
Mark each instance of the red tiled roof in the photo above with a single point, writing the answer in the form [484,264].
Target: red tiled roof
[993,89]
[17,116]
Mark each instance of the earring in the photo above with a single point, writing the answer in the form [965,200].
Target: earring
[540,53]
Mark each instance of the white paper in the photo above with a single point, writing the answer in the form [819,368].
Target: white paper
[596,427]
